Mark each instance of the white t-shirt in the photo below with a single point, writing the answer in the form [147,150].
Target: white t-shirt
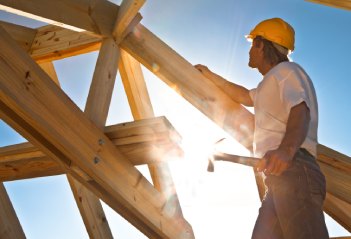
[283,87]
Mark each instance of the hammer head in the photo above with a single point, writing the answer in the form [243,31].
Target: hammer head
[210,166]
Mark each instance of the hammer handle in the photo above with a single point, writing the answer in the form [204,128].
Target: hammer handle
[248,161]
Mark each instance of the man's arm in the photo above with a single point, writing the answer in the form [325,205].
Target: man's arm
[234,91]
[277,161]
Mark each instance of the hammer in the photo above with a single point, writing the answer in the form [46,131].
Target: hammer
[219,156]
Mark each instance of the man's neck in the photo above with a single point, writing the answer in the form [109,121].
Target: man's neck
[265,68]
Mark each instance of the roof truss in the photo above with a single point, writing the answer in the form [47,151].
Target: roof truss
[98,19]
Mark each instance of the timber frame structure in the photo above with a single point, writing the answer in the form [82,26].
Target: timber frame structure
[99,161]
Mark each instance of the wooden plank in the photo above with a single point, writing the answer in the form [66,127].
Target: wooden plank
[343,4]
[94,16]
[337,170]
[135,87]
[339,210]
[49,43]
[333,158]
[102,85]
[22,35]
[34,106]
[10,226]
[141,142]
[53,43]
[127,12]
[17,169]
[91,210]
[139,101]
[49,69]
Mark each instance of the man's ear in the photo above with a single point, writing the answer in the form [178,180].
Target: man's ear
[259,44]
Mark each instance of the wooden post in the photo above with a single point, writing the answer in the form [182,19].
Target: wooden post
[89,205]
[96,109]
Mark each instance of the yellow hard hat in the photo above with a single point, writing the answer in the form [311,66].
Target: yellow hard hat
[275,30]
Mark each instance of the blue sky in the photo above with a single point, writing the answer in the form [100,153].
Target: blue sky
[211,33]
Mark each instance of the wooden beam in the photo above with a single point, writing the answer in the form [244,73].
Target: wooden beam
[49,43]
[26,165]
[49,69]
[135,87]
[181,76]
[94,16]
[10,226]
[91,210]
[141,142]
[139,101]
[34,106]
[127,12]
[337,170]
[102,85]
[339,210]
[54,43]
[96,110]
[24,36]
[343,4]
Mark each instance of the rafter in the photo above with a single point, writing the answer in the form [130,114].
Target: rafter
[34,106]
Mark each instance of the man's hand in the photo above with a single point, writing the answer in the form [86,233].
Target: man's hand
[275,162]
[203,69]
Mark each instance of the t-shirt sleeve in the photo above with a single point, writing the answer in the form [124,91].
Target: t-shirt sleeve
[252,94]
[293,91]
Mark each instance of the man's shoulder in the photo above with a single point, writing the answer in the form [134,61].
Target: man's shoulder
[288,65]
[283,69]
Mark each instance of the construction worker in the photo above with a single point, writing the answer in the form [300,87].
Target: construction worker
[285,137]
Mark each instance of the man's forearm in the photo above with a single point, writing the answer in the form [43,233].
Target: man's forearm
[236,92]
[296,129]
